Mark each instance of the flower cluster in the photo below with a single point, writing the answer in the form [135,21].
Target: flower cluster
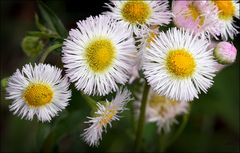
[109,51]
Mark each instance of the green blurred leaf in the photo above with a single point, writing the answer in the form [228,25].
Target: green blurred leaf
[42,34]
[52,20]
[32,45]
[41,27]
[66,123]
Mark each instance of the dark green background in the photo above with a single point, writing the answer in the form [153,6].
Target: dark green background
[214,119]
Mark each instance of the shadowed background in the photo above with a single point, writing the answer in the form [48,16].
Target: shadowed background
[214,119]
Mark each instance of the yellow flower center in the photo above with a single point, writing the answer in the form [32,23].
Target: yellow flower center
[38,94]
[180,63]
[107,117]
[196,13]
[226,8]
[161,104]
[100,54]
[136,11]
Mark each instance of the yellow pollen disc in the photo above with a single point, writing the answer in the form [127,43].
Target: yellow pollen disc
[180,63]
[100,54]
[136,11]
[196,13]
[226,8]
[38,94]
[107,117]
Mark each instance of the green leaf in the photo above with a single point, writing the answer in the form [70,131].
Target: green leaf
[51,19]
[68,122]
[42,34]
[41,27]
[32,45]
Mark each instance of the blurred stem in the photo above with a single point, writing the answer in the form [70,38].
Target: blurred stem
[91,102]
[48,51]
[141,120]
[179,130]
[161,142]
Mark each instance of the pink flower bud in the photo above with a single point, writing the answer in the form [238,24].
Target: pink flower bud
[225,53]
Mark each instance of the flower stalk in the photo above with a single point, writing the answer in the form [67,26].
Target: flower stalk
[141,120]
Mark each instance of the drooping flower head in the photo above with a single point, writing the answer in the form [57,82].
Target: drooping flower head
[98,54]
[38,90]
[198,16]
[105,114]
[137,14]
[163,111]
[227,11]
[178,65]
[225,52]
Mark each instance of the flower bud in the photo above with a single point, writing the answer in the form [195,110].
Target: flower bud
[225,53]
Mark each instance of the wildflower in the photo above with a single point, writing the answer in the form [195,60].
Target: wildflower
[38,90]
[178,65]
[105,114]
[198,16]
[140,14]
[227,11]
[163,111]
[97,55]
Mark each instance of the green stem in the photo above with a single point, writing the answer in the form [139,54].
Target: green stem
[161,142]
[49,50]
[91,102]
[179,130]
[141,120]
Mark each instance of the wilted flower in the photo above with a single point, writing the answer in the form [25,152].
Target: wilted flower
[105,114]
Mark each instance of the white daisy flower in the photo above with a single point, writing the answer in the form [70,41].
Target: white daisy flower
[178,65]
[105,114]
[198,16]
[227,11]
[38,90]
[140,13]
[163,111]
[97,55]
[147,36]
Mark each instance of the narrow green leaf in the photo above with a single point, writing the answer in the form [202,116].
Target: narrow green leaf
[42,34]
[52,20]
[41,27]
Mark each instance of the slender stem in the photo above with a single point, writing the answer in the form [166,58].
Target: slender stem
[179,130]
[161,142]
[91,102]
[49,50]
[141,120]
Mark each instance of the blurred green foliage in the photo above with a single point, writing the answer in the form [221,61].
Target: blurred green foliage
[214,120]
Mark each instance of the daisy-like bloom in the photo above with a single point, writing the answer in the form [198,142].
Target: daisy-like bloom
[146,38]
[105,114]
[227,11]
[225,53]
[198,16]
[137,14]
[38,90]
[178,65]
[163,111]
[98,55]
